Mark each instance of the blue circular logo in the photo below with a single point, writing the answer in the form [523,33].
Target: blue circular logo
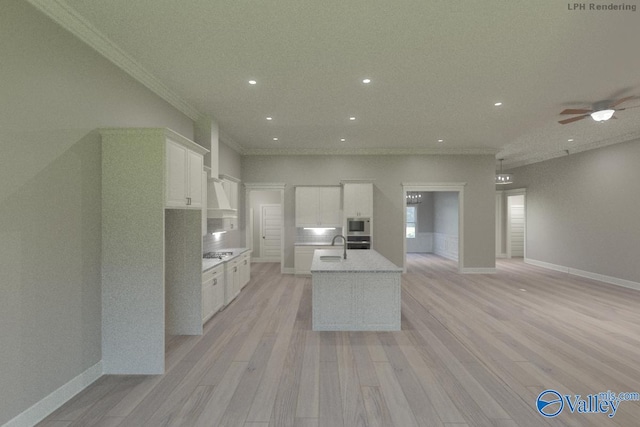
[549,403]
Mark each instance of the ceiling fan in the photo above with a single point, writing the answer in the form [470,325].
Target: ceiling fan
[600,111]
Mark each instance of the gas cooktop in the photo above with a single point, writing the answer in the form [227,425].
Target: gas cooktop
[218,255]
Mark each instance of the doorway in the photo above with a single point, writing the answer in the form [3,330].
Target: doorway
[264,218]
[447,236]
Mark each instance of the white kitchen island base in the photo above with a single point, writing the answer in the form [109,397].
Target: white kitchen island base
[361,293]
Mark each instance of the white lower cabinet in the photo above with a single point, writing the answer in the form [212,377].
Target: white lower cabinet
[303,255]
[245,268]
[232,280]
[212,291]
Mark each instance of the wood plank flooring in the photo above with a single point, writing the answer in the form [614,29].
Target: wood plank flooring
[474,350]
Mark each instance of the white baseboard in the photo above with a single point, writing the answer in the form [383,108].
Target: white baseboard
[265,260]
[480,270]
[288,271]
[503,255]
[587,274]
[57,398]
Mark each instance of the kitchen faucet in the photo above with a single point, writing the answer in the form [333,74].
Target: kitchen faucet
[333,243]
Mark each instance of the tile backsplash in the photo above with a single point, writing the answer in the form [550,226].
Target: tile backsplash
[218,242]
[316,236]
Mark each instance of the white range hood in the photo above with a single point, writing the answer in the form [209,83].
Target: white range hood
[217,201]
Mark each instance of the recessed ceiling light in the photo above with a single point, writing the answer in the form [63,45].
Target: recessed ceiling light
[252,82]
[570,140]
[269,118]
[441,140]
[366,81]
[352,118]
[343,139]
[497,104]
[275,139]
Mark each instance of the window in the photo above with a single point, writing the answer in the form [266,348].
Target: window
[411,222]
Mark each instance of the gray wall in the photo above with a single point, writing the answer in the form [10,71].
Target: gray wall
[388,172]
[445,213]
[583,210]
[425,213]
[55,91]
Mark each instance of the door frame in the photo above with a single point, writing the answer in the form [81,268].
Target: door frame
[456,187]
[262,206]
[265,186]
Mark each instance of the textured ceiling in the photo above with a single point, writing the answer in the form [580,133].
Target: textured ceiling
[437,68]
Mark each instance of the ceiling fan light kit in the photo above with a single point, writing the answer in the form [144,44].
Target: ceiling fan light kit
[602,115]
[600,111]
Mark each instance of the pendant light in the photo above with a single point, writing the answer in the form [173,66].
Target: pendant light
[503,178]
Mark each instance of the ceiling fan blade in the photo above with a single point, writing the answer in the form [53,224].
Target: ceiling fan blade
[572,119]
[576,111]
[621,100]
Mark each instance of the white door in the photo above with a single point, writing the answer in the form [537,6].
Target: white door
[516,226]
[271,232]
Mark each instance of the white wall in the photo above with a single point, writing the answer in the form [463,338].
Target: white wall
[582,210]
[55,91]
[388,172]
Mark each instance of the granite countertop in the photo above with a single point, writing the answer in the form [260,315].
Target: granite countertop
[340,243]
[358,261]
[209,263]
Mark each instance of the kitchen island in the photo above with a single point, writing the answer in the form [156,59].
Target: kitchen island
[360,293]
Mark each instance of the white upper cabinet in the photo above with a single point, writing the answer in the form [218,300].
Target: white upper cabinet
[184,176]
[318,207]
[358,200]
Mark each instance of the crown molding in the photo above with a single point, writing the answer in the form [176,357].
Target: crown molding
[367,151]
[226,140]
[65,16]
[524,159]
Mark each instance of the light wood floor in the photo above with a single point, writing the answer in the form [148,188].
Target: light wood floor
[474,350]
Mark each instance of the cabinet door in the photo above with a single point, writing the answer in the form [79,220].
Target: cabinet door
[245,270]
[194,170]
[218,292]
[307,199]
[329,207]
[176,191]
[358,200]
[207,300]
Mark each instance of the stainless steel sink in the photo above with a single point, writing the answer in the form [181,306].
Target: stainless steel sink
[330,258]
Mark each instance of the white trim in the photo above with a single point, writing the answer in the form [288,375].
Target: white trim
[288,270]
[264,260]
[226,140]
[587,274]
[367,151]
[76,24]
[57,398]
[479,270]
[502,255]
[432,187]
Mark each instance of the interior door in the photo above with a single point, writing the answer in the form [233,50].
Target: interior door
[271,232]
[516,226]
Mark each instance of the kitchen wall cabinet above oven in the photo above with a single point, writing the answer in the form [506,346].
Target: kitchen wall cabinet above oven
[358,200]
[318,207]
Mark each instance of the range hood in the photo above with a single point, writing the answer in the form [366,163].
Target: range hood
[217,201]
